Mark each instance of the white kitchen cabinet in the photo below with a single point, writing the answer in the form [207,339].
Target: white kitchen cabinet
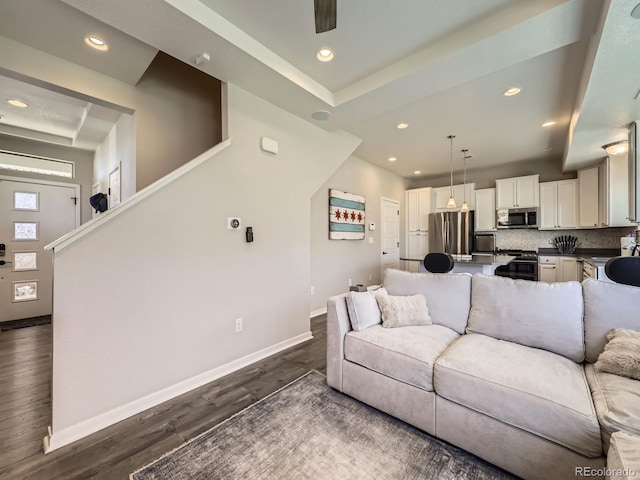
[557,269]
[442,195]
[517,192]
[547,273]
[588,188]
[485,208]
[558,205]
[418,209]
[568,269]
[417,248]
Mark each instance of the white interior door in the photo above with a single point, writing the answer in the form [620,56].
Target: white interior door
[32,215]
[390,234]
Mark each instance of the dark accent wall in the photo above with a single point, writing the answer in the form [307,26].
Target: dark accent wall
[178,116]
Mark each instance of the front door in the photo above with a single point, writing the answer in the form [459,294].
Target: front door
[390,234]
[32,215]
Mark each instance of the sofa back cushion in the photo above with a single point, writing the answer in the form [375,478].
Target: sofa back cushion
[535,314]
[448,294]
[607,306]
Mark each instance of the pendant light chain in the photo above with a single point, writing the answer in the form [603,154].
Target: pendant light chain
[465,205]
[452,200]
[451,137]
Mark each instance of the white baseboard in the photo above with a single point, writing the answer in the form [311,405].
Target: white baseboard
[80,430]
[317,313]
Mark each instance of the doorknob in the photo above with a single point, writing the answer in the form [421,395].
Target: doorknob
[385,253]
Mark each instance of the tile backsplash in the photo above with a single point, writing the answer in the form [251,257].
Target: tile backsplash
[534,239]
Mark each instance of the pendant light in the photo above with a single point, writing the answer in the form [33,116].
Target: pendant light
[465,205]
[452,201]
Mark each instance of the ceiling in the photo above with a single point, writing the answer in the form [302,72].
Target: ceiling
[439,66]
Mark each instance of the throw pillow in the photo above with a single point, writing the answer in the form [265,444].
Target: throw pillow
[363,309]
[403,311]
[621,355]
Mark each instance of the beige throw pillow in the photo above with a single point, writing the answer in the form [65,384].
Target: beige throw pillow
[621,355]
[403,311]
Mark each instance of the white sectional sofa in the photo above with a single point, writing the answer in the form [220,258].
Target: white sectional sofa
[504,371]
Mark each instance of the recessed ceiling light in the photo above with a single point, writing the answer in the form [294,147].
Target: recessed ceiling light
[17,103]
[325,55]
[96,42]
[417,172]
[402,125]
[392,159]
[512,91]
[548,124]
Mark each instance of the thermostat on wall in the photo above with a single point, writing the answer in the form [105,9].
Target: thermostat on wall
[372,226]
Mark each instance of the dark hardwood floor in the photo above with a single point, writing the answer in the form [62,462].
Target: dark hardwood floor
[115,452]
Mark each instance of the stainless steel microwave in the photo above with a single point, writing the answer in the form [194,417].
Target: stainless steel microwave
[517,218]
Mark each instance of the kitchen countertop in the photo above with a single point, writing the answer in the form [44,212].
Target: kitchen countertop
[481,259]
[596,256]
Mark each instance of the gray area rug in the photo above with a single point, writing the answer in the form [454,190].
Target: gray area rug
[307,430]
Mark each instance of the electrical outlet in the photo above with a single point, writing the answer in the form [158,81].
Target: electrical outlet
[313,290]
[370,276]
[238,325]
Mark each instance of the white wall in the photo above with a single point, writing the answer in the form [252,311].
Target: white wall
[117,148]
[144,306]
[333,262]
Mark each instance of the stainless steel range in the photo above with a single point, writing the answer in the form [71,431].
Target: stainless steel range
[523,267]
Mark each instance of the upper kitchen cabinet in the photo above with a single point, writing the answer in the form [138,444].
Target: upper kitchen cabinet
[588,196]
[558,205]
[518,192]
[419,202]
[485,217]
[460,193]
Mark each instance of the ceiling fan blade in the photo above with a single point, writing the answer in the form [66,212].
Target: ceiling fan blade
[325,12]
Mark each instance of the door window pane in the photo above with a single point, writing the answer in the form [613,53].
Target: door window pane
[25,201]
[25,261]
[25,291]
[25,231]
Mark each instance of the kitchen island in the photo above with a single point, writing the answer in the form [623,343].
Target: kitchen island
[478,263]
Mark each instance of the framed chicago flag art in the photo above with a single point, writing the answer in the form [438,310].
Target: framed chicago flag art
[346,216]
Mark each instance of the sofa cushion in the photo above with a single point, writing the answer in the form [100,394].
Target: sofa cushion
[607,306]
[406,354]
[623,459]
[535,314]
[528,388]
[448,294]
[403,310]
[617,402]
[621,355]
[363,309]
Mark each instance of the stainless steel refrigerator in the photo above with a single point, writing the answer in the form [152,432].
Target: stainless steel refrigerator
[451,232]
